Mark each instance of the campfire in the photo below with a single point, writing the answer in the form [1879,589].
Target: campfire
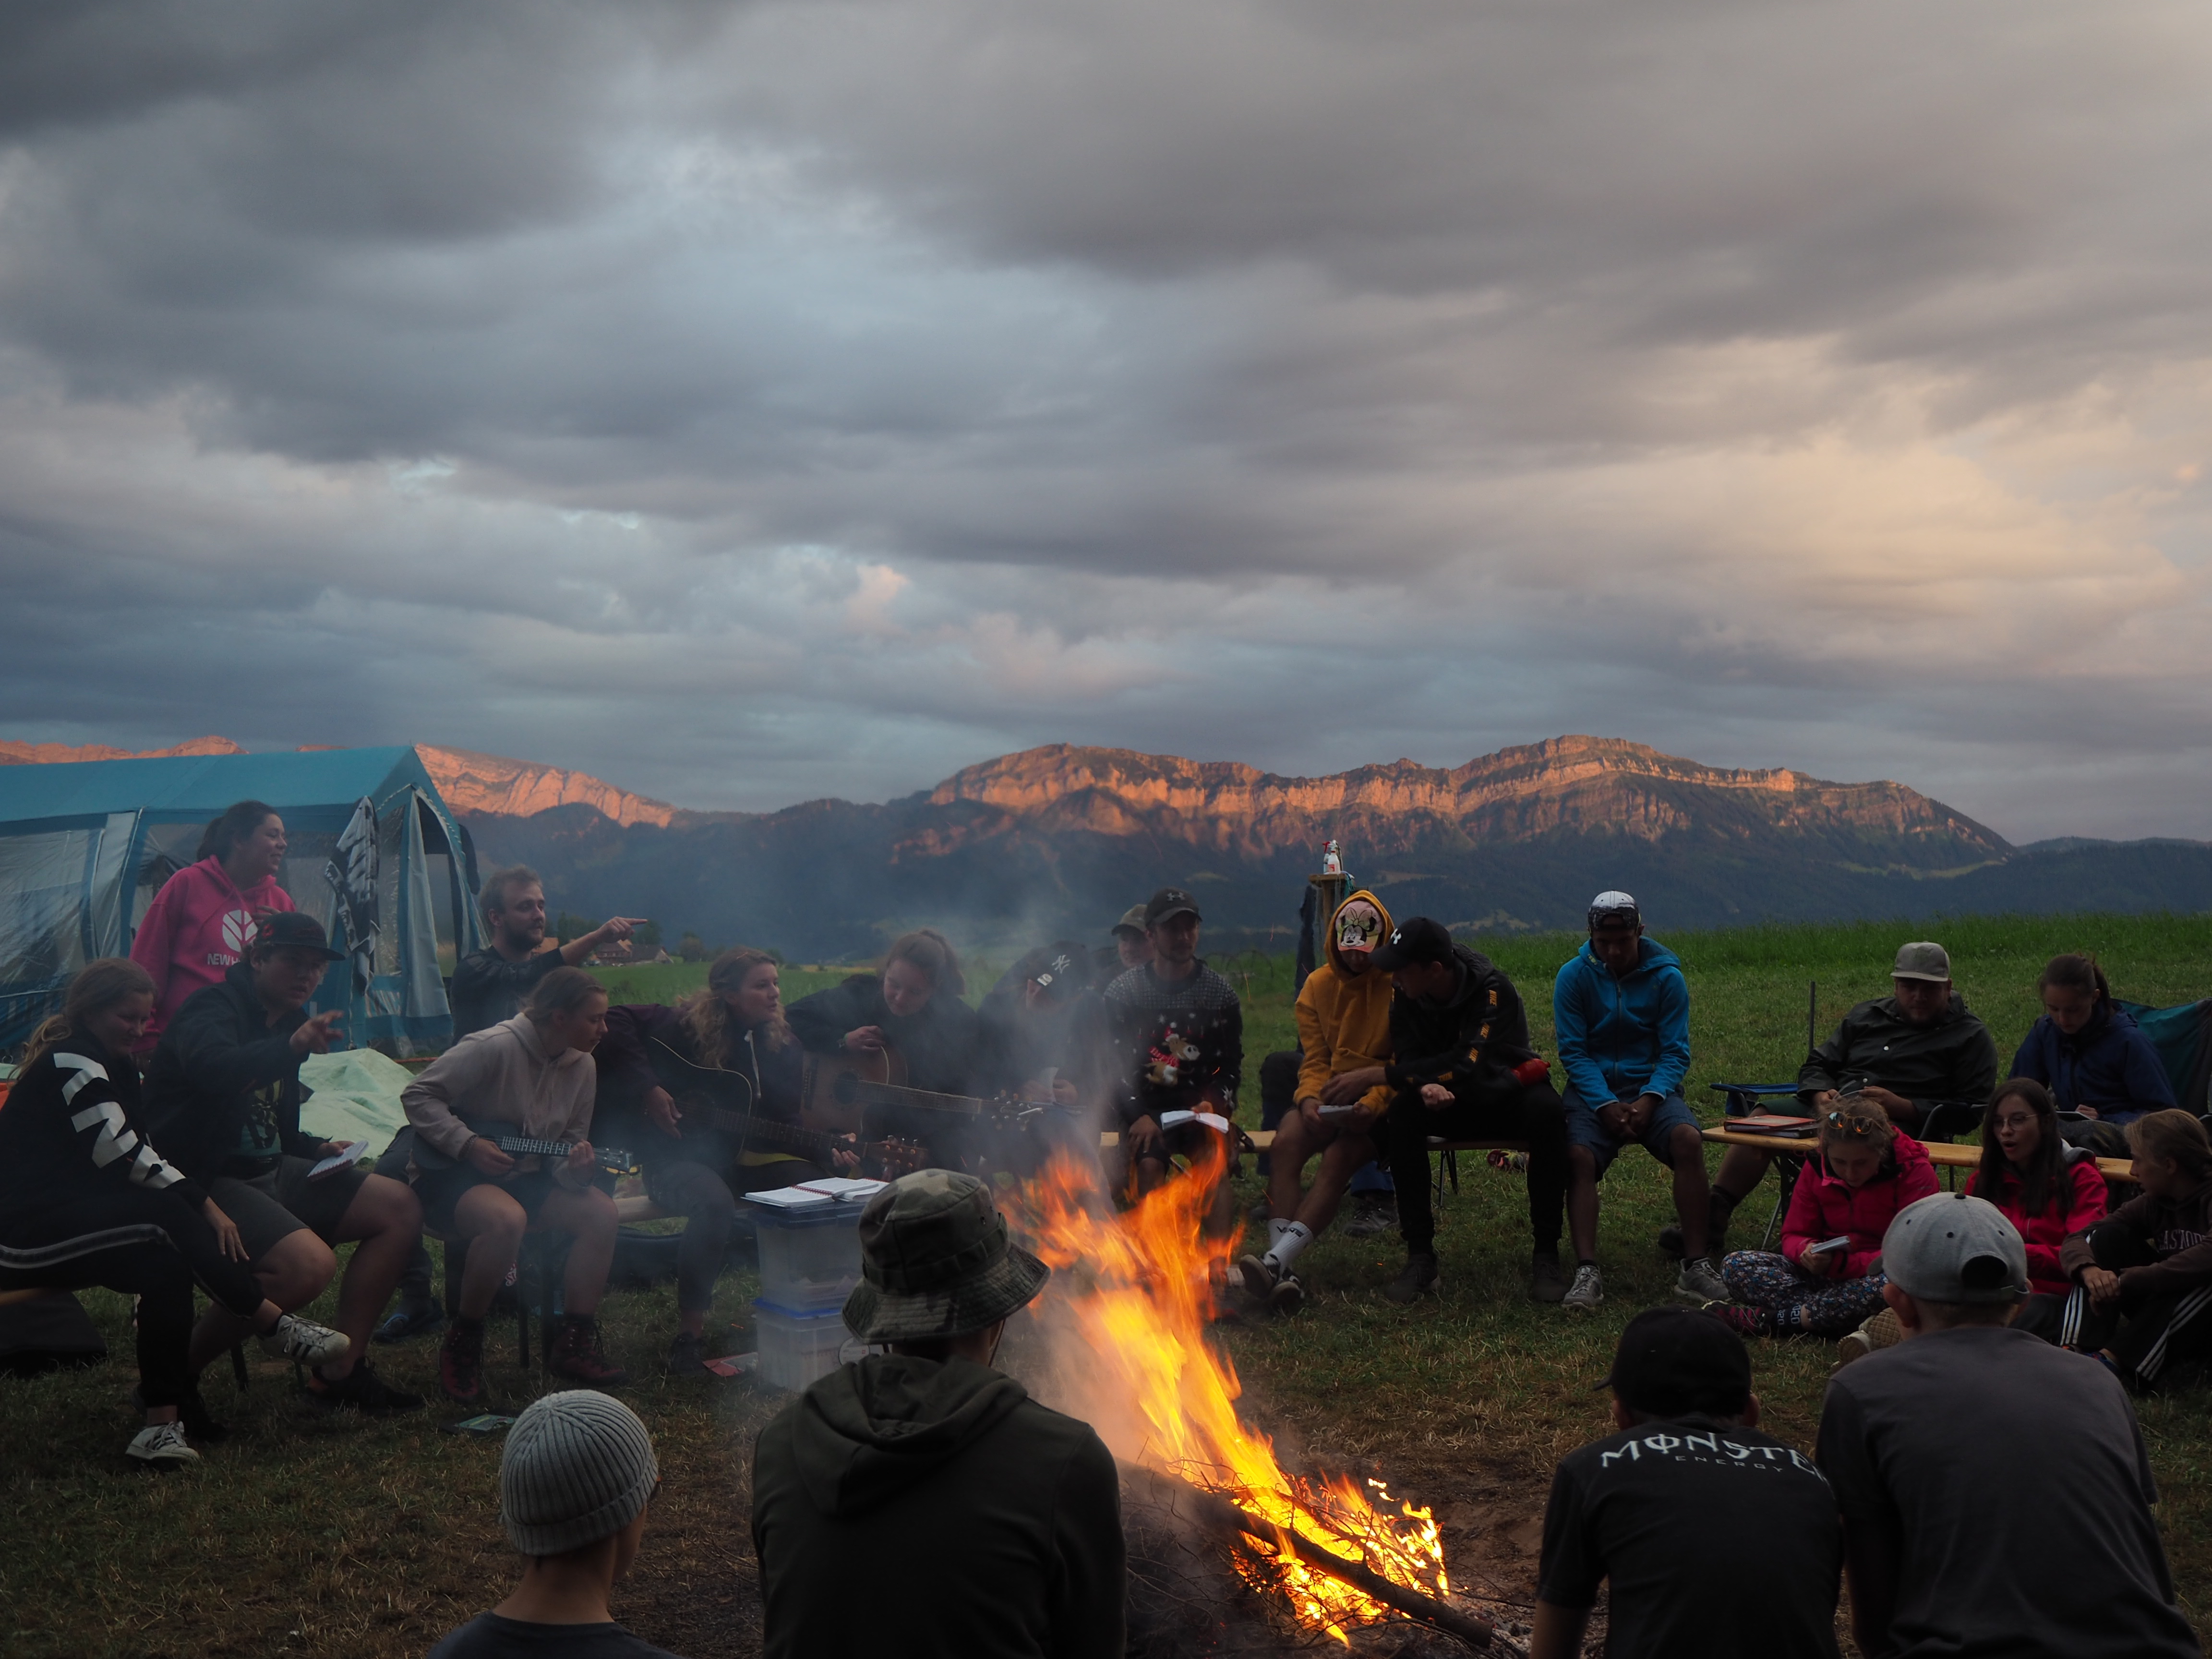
[1136,1290]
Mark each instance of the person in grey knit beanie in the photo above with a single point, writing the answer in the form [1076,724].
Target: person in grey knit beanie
[574,1481]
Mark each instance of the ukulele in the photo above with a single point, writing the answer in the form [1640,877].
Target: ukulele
[727,1100]
[611,1159]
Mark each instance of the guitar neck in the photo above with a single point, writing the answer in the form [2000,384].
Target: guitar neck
[895,1094]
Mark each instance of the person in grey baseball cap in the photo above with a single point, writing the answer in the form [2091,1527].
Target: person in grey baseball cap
[1907,1051]
[575,1477]
[1995,1490]
[919,1500]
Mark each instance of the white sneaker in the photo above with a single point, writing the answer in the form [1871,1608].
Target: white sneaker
[1586,1291]
[303,1341]
[163,1446]
[1700,1282]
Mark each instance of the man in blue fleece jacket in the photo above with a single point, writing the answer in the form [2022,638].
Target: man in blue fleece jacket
[1621,1012]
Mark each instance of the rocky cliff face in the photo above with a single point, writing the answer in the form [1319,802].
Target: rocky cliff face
[56,754]
[473,783]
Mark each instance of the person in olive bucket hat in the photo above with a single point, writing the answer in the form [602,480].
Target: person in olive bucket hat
[919,1501]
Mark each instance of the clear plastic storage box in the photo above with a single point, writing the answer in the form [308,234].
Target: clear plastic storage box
[796,1348]
[810,1251]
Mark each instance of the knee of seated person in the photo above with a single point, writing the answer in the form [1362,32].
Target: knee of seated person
[486,1212]
[297,1267]
[1582,1159]
[397,1206]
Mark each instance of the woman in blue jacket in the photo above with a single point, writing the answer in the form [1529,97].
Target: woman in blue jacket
[2087,1052]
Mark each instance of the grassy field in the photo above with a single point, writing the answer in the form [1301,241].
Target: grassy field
[311,1535]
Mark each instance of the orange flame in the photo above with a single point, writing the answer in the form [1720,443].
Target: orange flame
[1140,1289]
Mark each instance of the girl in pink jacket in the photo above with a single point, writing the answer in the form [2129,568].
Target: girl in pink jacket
[202,920]
[2044,1188]
[1863,1173]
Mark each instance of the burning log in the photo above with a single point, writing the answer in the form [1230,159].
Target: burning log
[1218,1515]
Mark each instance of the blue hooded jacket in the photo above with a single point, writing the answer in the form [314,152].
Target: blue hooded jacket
[2108,1064]
[1623,1036]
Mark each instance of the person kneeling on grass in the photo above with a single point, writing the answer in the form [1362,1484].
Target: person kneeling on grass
[1343,1013]
[2142,1294]
[1995,1491]
[1621,1009]
[1688,1445]
[223,1098]
[1826,1278]
[576,1477]
[529,1076]
[85,1200]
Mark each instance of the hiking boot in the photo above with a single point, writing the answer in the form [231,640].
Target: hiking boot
[1288,1296]
[687,1354]
[1700,1282]
[411,1318]
[1418,1277]
[460,1362]
[1547,1280]
[1257,1277]
[578,1357]
[1586,1291]
[304,1342]
[1371,1215]
[362,1390]
[1744,1321]
[162,1446]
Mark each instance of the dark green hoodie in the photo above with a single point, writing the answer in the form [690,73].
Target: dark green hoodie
[921,1508]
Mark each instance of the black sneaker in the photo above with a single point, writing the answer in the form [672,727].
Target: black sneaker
[1547,1280]
[1419,1278]
[411,1318]
[1288,1296]
[1372,1214]
[361,1389]
[687,1355]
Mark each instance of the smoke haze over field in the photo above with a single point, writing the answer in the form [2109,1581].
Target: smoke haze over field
[749,403]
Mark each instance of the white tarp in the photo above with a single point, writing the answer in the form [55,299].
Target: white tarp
[356,1096]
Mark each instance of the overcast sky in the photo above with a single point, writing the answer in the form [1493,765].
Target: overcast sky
[750,403]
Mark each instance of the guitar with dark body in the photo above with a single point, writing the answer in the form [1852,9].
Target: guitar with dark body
[724,1100]
[977,1135]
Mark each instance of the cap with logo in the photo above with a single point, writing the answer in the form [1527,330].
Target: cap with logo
[1058,970]
[1951,1247]
[1677,1362]
[1133,920]
[1615,906]
[293,930]
[1416,940]
[1171,902]
[1922,959]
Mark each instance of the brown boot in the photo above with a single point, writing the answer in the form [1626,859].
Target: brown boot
[460,1362]
[578,1357]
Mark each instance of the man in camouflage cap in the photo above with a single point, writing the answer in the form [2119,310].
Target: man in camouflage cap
[919,1499]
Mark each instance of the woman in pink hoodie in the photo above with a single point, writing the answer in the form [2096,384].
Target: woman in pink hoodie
[200,922]
[1863,1173]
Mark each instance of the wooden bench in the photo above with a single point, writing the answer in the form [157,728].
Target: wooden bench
[1942,1153]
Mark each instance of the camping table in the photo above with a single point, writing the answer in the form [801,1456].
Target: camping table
[1940,1153]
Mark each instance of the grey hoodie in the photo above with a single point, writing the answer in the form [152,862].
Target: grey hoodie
[930,1507]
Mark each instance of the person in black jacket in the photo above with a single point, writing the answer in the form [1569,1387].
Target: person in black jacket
[224,1096]
[492,984]
[1459,1033]
[692,1165]
[86,1199]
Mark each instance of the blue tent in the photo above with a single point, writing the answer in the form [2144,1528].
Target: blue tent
[375,852]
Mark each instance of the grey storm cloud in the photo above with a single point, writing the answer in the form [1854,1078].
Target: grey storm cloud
[753,402]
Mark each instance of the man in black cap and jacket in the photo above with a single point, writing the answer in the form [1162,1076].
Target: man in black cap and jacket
[919,1502]
[1464,1071]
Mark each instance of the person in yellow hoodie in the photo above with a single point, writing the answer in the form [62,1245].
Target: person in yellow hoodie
[1344,1033]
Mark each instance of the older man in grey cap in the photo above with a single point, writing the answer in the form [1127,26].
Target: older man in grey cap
[919,1502]
[1995,1490]
[1906,1051]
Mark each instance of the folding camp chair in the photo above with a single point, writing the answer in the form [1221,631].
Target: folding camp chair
[1745,1100]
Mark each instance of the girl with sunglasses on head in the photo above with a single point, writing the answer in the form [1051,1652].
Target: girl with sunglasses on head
[1823,1282]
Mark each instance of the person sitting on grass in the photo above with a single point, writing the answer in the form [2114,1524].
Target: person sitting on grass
[2142,1276]
[980,1524]
[1687,1445]
[1343,1013]
[2088,1053]
[1621,1009]
[531,1076]
[86,1199]
[1827,1279]
[1463,1071]
[577,1477]
[1904,1052]
[1995,1491]
[2047,1189]
[223,1098]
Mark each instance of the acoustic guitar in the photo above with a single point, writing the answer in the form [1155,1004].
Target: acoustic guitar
[726,1100]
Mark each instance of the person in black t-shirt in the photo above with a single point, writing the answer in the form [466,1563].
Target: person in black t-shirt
[1643,1510]
[575,1478]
